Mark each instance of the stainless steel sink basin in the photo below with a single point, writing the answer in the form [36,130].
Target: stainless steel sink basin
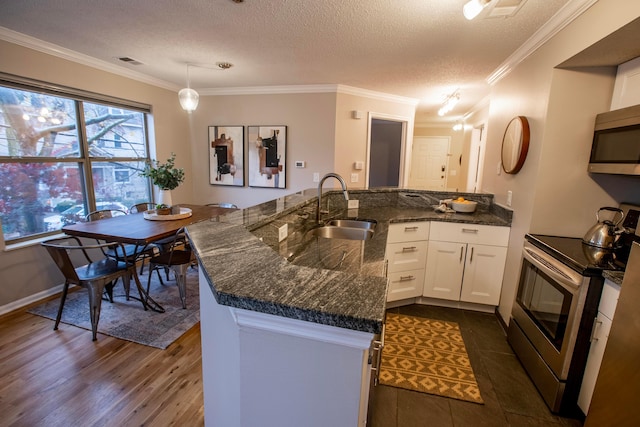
[353,223]
[342,232]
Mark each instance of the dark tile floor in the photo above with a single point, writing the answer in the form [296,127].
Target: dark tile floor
[510,398]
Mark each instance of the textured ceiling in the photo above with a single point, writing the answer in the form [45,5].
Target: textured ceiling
[421,49]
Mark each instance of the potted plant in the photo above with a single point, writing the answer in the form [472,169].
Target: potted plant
[164,175]
[162,209]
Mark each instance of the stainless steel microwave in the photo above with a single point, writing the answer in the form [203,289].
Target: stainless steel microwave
[616,142]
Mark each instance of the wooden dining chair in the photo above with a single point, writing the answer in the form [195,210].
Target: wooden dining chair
[133,253]
[95,276]
[178,258]
[141,207]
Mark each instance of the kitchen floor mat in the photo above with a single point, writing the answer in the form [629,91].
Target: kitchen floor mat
[428,356]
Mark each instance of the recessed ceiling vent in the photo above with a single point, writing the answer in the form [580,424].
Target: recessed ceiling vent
[129,60]
[504,8]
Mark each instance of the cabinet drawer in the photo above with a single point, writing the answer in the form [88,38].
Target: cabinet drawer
[405,284]
[406,256]
[408,231]
[469,233]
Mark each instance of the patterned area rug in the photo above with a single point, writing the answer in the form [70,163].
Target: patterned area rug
[127,320]
[428,356]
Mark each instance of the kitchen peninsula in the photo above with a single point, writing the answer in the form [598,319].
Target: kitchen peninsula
[287,325]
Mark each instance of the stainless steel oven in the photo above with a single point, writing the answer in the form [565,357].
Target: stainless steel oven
[552,318]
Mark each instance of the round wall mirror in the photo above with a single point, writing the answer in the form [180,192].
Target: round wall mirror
[515,144]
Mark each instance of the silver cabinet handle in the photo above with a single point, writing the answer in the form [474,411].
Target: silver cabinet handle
[461,250]
[470,230]
[407,278]
[594,331]
[471,260]
[414,228]
[375,357]
[409,249]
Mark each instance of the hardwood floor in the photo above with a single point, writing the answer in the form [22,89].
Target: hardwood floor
[62,378]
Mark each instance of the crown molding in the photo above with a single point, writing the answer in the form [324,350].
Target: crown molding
[269,90]
[350,90]
[293,89]
[567,14]
[70,55]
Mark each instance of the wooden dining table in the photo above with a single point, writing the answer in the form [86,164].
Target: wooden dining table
[137,230]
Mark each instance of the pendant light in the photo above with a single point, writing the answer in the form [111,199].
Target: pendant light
[188,97]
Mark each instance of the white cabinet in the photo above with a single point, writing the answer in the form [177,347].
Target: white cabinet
[406,255]
[599,336]
[465,262]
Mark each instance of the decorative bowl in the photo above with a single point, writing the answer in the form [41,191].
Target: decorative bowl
[468,206]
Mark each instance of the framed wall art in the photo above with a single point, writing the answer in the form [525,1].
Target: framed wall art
[226,155]
[267,147]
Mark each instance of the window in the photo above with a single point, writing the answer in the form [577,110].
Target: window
[65,153]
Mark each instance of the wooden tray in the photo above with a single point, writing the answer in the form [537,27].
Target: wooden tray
[153,216]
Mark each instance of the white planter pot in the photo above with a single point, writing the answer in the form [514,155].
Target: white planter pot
[164,197]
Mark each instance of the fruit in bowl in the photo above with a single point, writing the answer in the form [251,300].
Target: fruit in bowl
[462,205]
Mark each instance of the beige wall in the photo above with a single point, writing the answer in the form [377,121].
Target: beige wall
[310,121]
[553,192]
[351,135]
[27,271]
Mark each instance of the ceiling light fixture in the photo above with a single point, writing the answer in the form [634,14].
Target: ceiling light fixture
[188,97]
[449,103]
[458,126]
[473,8]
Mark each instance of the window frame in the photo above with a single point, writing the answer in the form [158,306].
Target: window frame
[85,160]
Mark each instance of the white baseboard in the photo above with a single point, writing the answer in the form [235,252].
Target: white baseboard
[30,299]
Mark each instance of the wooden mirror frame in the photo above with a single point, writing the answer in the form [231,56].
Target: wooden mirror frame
[515,143]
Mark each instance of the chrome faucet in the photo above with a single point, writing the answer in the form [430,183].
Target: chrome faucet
[324,178]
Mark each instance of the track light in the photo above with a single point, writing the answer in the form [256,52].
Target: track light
[449,103]
[474,7]
[188,97]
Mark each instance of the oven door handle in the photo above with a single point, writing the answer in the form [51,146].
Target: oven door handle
[555,269]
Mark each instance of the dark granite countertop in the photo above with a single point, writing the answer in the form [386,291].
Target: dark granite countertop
[615,276]
[328,281]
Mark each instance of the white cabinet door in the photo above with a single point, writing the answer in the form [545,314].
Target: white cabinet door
[405,284]
[483,274]
[445,265]
[596,352]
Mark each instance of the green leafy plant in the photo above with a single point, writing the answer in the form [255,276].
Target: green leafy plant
[164,175]
[162,206]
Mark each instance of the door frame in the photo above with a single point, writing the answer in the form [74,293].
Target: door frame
[405,147]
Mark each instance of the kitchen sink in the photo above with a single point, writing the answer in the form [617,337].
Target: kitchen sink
[342,232]
[353,223]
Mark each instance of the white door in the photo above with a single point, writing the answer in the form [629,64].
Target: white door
[483,274]
[445,265]
[429,163]
[476,157]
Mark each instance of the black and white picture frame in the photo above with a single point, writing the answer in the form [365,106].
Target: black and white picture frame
[267,146]
[226,155]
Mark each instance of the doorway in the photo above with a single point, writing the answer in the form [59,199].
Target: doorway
[385,152]
[429,162]
[476,159]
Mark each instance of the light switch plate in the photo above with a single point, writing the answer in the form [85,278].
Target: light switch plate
[282,232]
[355,177]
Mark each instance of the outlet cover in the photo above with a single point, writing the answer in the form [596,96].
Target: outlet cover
[353,204]
[316,177]
[509,197]
[282,232]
